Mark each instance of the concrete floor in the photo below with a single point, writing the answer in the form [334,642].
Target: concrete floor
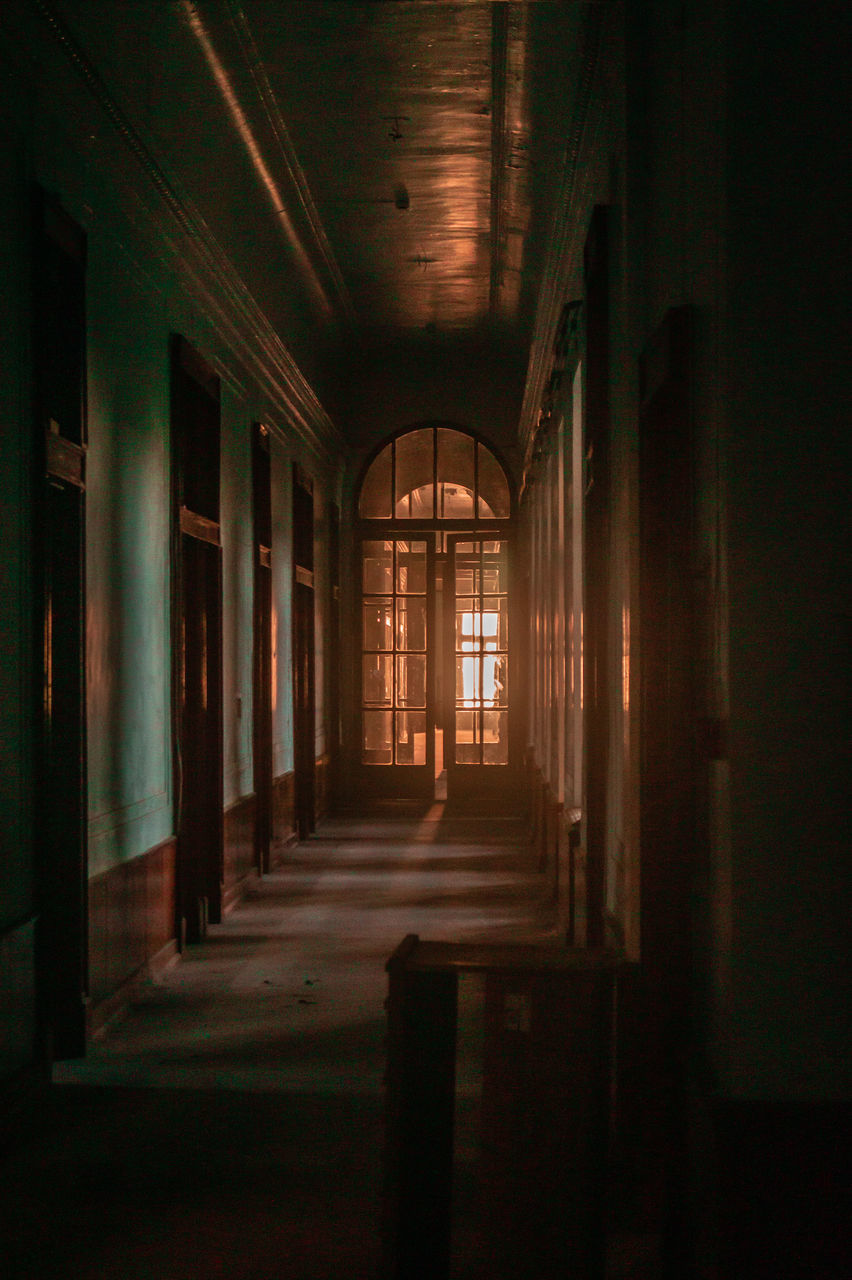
[231,1124]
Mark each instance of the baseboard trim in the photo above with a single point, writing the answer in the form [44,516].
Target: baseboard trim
[103,1013]
[236,890]
[278,851]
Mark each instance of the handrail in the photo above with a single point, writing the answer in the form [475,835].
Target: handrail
[545,1105]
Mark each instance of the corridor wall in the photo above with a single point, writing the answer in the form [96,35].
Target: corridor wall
[151,272]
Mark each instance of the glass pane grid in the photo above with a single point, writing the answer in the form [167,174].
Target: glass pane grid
[394,664]
[435,473]
[481,654]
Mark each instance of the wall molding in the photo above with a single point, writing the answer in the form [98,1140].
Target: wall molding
[240,822]
[131,928]
[216,286]
[567,231]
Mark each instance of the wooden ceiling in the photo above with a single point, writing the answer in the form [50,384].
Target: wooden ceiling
[411,148]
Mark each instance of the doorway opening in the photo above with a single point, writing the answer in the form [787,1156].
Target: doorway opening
[436,685]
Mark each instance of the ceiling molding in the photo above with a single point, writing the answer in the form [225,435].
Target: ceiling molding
[228,303]
[288,156]
[567,229]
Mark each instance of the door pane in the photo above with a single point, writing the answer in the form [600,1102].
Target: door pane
[481,653]
[495,737]
[467,737]
[467,620]
[378,624]
[495,631]
[411,737]
[410,624]
[377,737]
[377,560]
[378,679]
[493,569]
[494,692]
[411,680]
[410,568]
[468,680]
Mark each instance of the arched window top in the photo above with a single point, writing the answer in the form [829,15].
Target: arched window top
[434,473]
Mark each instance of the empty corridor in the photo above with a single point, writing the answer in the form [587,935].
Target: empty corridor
[231,1124]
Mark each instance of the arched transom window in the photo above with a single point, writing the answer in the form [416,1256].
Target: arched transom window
[434,473]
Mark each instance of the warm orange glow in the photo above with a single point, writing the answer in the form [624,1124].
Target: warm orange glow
[625,658]
[479,632]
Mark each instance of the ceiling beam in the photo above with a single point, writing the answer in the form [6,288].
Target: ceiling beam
[499,146]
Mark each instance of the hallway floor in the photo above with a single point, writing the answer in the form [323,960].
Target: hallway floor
[231,1124]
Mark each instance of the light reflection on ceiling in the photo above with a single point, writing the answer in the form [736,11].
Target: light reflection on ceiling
[424,133]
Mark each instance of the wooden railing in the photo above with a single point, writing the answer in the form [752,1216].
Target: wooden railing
[545,1110]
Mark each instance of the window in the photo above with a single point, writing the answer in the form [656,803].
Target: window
[434,473]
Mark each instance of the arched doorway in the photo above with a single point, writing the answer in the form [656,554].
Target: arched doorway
[436,686]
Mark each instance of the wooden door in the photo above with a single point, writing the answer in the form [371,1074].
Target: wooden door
[596,551]
[197,569]
[304,694]
[477,683]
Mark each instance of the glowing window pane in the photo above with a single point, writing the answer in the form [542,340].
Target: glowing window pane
[495,737]
[378,624]
[495,626]
[411,680]
[468,687]
[377,571]
[465,625]
[410,624]
[378,679]
[378,748]
[411,568]
[411,737]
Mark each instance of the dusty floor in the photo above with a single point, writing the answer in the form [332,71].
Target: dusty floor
[231,1124]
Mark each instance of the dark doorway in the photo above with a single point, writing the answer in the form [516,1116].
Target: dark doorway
[333,735]
[596,523]
[668,658]
[304,701]
[657,1005]
[262,693]
[197,642]
[59,385]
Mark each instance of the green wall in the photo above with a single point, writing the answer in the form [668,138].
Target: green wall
[127,561]
[147,278]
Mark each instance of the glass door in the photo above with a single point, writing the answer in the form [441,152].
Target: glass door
[476,654]
[397,677]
